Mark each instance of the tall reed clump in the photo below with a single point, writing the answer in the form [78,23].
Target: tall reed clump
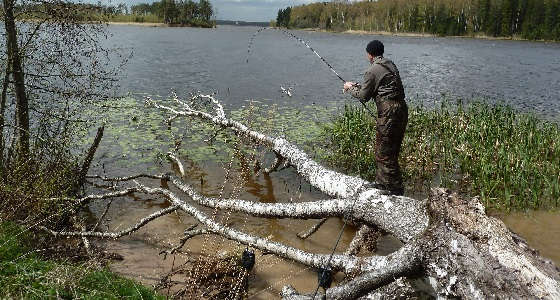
[510,159]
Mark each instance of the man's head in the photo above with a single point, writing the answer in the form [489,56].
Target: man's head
[374,48]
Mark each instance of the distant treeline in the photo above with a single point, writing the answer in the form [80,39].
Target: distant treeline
[530,19]
[177,12]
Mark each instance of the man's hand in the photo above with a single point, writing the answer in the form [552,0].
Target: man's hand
[348,85]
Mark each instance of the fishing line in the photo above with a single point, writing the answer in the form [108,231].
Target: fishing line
[296,38]
[289,34]
[322,271]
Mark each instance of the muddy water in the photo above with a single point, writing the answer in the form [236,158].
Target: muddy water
[541,230]
[187,60]
[140,251]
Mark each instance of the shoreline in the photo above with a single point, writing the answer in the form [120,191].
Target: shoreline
[142,24]
[152,24]
[424,35]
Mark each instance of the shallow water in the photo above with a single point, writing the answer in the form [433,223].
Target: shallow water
[541,230]
[524,74]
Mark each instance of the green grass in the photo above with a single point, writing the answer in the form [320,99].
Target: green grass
[25,275]
[510,159]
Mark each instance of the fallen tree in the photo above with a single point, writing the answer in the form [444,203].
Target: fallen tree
[449,242]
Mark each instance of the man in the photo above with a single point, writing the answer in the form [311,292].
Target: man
[382,82]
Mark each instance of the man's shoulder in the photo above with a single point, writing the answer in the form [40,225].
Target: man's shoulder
[376,67]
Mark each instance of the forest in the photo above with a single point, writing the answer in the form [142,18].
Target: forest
[176,12]
[526,19]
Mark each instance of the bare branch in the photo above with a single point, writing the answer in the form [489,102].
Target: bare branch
[189,234]
[302,210]
[338,262]
[178,162]
[397,215]
[102,215]
[128,178]
[404,217]
[307,233]
[405,262]
[114,235]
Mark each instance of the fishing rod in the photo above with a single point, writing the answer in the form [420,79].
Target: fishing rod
[324,274]
[251,40]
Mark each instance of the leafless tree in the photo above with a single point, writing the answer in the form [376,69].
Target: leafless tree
[55,69]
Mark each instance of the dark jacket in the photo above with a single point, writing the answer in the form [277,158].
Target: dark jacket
[381,81]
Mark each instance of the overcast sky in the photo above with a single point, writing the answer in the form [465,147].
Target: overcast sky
[242,10]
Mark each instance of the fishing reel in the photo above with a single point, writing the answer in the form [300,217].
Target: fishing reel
[324,277]
[248,259]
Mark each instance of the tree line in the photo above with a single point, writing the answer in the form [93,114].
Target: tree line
[530,19]
[177,11]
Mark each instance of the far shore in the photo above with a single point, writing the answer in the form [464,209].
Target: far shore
[146,24]
[424,35]
[150,24]
[363,32]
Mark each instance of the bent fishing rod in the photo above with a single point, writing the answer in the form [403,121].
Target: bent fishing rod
[289,34]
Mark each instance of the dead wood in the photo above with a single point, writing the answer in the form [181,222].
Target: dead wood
[451,248]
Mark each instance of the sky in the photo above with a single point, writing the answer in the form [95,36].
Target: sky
[238,10]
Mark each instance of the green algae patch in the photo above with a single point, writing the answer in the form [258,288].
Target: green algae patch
[138,136]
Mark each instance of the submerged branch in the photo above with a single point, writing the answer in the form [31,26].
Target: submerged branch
[307,233]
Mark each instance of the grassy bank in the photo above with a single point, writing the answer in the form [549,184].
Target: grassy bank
[24,274]
[509,159]
[41,190]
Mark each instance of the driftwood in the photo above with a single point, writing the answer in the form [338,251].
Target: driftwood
[451,248]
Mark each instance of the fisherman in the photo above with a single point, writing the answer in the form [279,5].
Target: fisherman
[382,82]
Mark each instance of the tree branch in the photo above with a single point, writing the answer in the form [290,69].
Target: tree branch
[404,217]
[305,234]
[338,262]
[114,235]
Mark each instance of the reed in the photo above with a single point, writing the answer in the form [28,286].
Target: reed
[510,160]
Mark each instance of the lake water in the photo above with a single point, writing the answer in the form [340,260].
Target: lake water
[523,74]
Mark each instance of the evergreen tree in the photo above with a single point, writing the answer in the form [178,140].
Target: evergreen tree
[283,18]
[533,19]
[508,17]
